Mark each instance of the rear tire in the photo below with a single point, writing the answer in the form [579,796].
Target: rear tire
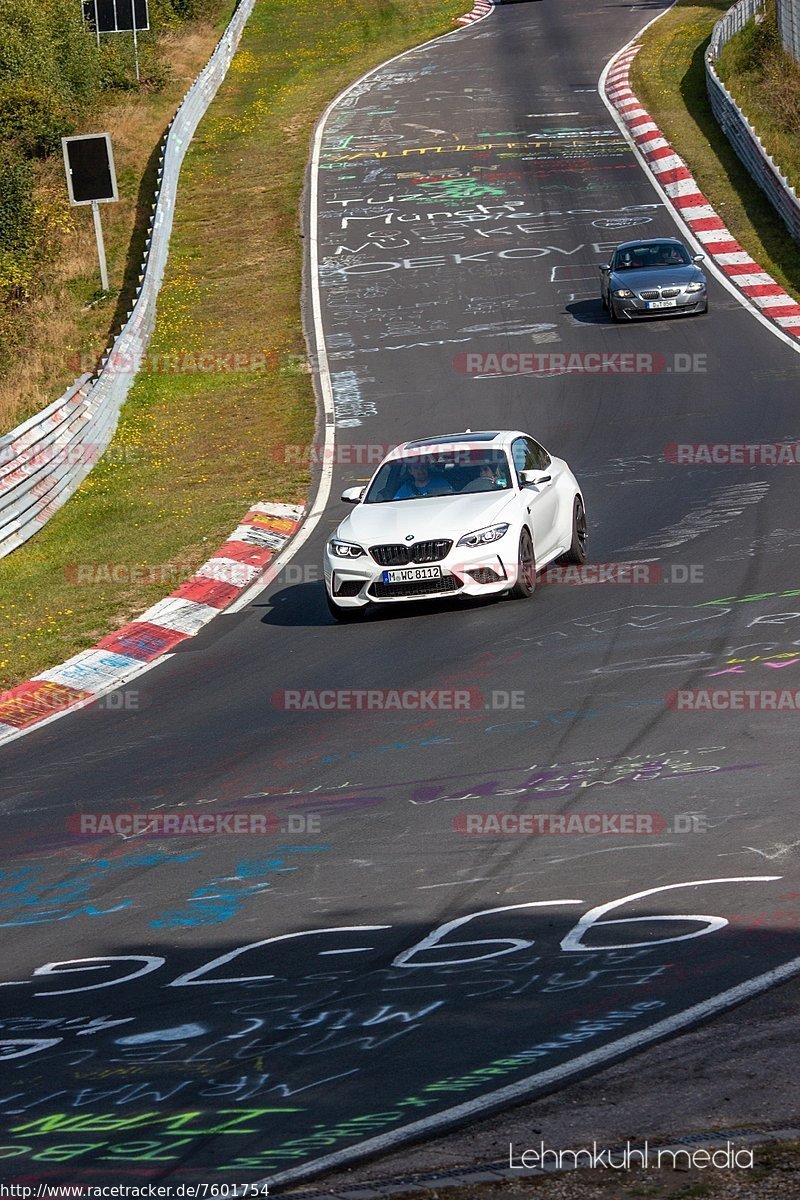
[580,532]
[345,616]
[526,569]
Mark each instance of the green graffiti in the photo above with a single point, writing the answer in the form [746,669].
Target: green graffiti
[173,1123]
[457,189]
[749,599]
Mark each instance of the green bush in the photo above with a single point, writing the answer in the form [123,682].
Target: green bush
[76,51]
[43,43]
[757,58]
[33,117]
[116,64]
[190,10]
[17,224]
[17,208]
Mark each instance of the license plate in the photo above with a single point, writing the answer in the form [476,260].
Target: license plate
[662,304]
[411,574]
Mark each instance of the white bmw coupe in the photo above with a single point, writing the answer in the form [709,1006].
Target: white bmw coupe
[471,514]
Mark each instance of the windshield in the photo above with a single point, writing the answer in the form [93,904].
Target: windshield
[440,473]
[649,257]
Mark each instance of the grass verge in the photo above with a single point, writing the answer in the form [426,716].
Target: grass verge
[668,76]
[765,82]
[195,448]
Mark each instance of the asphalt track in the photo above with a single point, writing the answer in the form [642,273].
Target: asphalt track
[235,1008]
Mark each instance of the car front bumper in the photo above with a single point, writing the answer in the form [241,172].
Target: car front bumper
[465,571]
[633,307]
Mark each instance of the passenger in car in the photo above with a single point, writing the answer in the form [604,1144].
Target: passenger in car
[488,477]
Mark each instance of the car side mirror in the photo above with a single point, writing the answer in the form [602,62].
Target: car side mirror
[353,495]
[698,258]
[530,477]
[604,268]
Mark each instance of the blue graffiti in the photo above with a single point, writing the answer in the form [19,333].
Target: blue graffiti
[224,896]
[30,901]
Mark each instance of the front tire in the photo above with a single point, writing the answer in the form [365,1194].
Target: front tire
[526,569]
[345,616]
[612,308]
[580,532]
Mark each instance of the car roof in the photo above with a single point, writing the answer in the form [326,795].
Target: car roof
[467,439]
[661,241]
[485,435]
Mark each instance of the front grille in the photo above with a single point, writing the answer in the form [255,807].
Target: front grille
[400,555]
[667,293]
[485,575]
[349,587]
[415,587]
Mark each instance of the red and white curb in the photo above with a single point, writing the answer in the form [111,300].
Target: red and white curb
[675,179]
[481,9]
[140,644]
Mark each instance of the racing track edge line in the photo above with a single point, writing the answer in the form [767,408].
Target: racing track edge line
[543,1082]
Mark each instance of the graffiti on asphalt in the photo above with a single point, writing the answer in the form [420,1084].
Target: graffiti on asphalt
[284,1015]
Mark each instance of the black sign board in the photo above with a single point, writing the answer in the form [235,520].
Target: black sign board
[89,163]
[116,16]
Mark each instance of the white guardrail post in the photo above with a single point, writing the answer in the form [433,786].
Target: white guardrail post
[44,460]
[736,127]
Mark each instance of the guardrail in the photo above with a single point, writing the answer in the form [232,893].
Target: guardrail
[738,130]
[44,460]
[789,25]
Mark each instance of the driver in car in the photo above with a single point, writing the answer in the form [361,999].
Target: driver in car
[421,483]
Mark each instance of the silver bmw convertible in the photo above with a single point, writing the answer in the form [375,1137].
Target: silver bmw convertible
[655,277]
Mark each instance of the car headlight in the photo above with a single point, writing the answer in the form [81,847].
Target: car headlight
[695,287]
[344,549]
[482,537]
[623,293]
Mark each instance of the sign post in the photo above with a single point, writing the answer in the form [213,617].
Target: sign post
[91,179]
[101,246]
[136,50]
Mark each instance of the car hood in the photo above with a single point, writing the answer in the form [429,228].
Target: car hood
[448,516]
[652,277]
